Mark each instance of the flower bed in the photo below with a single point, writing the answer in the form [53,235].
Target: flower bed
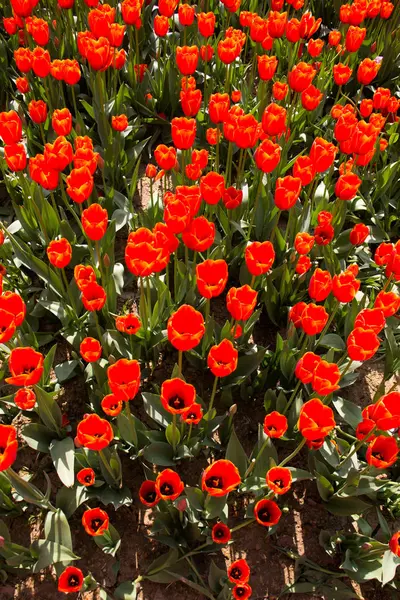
[200,259]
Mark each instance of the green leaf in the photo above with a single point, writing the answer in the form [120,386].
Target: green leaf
[48,363]
[163,562]
[389,565]
[56,528]
[332,340]
[108,495]
[172,435]
[68,499]
[109,542]
[215,577]
[246,365]
[126,591]
[236,454]
[383,523]
[25,489]
[155,410]
[325,487]
[65,370]
[300,474]
[196,497]
[24,253]
[48,409]
[38,437]
[63,456]
[346,507]
[215,506]
[160,453]
[51,553]
[350,412]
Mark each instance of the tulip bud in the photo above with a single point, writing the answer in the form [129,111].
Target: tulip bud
[366,546]
[106,261]
[100,162]
[373,48]
[2,541]
[182,505]
[232,410]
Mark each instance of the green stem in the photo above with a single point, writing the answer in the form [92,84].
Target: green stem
[256,201]
[326,328]
[356,447]
[180,356]
[244,524]
[174,430]
[293,396]
[214,390]
[68,291]
[294,453]
[106,465]
[131,423]
[346,369]
[253,463]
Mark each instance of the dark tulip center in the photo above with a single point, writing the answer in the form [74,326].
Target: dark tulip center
[114,406]
[279,483]
[28,369]
[236,573]
[88,478]
[176,402]
[264,515]
[2,450]
[271,428]
[97,435]
[150,497]
[214,482]
[130,327]
[73,581]
[219,533]
[166,489]
[378,456]
[96,524]
[240,591]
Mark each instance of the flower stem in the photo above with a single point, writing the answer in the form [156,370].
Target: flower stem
[356,448]
[294,453]
[180,356]
[214,390]
[131,423]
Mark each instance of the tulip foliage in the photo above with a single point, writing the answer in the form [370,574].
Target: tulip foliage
[201,215]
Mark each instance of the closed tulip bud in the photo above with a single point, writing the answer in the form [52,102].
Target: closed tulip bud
[232,410]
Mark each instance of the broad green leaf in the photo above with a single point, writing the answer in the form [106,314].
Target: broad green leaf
[63,456]
[236,454]
[50,553]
